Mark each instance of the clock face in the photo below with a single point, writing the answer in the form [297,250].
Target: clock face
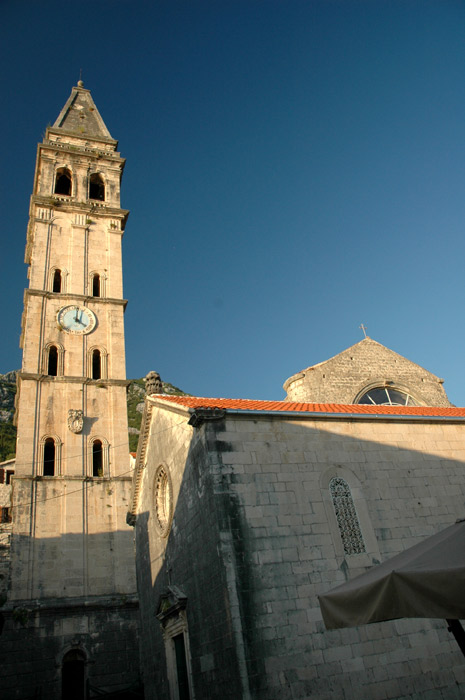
[78,320]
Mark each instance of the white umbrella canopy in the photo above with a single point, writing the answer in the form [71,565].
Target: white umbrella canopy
[426,580]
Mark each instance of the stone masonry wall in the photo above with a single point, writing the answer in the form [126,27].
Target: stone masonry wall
[36,641]
[189,558]
[366,364]
[407,483]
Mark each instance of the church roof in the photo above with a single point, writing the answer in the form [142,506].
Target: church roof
[252,405]
[362,345]
[80,116]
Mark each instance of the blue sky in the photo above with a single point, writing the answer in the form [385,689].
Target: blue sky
[293,169]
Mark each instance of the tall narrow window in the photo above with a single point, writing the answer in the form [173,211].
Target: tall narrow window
[181,667]
[63,181]
[52,368]
[96,187]
[49,457]
[73,682]
[96,285]
[97,458]
[56,287]
[346,515]
[96,364]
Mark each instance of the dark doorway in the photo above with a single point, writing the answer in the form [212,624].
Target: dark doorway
[73,682]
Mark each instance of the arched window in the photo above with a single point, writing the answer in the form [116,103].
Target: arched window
[49,457]
[53,360]
[63,181]
[73,675]
[346,516]
[96,187]
[56,285]
[96,285]
[52,368]
[386,396]
[57,280]
[96,364]
[97,458]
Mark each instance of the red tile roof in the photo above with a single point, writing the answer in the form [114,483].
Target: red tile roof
[296,407]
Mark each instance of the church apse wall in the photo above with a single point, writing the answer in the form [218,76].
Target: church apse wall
[268,512]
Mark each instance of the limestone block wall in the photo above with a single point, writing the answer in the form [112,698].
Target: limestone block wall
[37,640]
[255,539]
[45,405]
[75,541]
[365,365]
[189,557]
[407,483]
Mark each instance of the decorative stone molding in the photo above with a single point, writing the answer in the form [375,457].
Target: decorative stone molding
[200,415]
[75,420]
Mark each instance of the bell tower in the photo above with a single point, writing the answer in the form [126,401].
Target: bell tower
[71,547]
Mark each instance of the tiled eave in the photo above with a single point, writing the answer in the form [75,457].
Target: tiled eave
[312,410]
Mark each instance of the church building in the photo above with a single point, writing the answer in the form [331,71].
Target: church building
[245,511]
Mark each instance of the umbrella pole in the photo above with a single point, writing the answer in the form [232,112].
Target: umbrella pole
[457,630]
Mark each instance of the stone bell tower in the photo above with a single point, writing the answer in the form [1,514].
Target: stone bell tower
[72,551]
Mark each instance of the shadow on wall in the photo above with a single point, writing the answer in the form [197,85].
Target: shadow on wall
[84,615]
[266,517]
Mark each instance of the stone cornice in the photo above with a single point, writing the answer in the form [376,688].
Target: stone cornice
[140,462]
[61,133]
[52,605]
[68,477]
[70,204]
[35,376]
[67,296]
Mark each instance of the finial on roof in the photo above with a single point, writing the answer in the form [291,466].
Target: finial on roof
[80,83]
[364,329]
[153,384]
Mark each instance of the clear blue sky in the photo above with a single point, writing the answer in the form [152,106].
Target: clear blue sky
[293,169]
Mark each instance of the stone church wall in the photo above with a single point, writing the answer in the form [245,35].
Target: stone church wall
[365,365]
[255,540]
[190,558]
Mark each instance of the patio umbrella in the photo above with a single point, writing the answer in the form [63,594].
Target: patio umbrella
[426,580]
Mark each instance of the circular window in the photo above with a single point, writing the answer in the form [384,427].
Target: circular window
[387,396]
[163,501]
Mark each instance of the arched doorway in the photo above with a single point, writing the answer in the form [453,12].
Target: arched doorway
[73,675]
